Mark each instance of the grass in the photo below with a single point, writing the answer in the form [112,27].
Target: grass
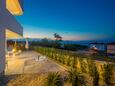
[23,80]
[49,79]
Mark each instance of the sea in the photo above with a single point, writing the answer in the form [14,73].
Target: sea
[81,42]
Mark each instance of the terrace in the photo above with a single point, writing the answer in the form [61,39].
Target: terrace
[28,62]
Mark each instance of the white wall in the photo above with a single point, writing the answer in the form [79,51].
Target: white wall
[111,49]
[6,21]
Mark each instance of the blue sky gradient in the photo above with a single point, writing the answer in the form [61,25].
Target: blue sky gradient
[72,19]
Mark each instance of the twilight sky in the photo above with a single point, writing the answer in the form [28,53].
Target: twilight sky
[72,19]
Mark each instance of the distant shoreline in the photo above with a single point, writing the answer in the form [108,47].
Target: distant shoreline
[82,42]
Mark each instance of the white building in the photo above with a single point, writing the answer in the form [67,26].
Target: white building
[9,27]
[111,49]
[98,46]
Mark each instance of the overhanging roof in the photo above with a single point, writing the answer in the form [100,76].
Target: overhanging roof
[14,7]
[11,34]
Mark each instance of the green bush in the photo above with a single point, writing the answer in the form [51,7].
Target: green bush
[75,78]
[69,58]
[83,65]
[107,74]
[93,72]
[53,79]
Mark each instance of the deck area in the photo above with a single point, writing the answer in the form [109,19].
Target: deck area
[28,62]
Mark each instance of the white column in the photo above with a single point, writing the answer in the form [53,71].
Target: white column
[2,50]
[27,44]
[6,50]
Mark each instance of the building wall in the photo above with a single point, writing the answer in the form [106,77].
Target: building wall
[2,39]
[2,4]
[2,49]
[6,21]
[111,49]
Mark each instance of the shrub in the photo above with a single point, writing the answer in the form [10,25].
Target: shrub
[107,74]
[76,78]
[93,72]
[53,79]
[83,65]
[95,77]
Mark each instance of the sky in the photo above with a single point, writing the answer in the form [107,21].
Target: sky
[72,19]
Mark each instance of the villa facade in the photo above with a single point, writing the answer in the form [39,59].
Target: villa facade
[111,49]
[9,26]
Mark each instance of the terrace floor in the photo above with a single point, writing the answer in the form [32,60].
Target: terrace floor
[28,62]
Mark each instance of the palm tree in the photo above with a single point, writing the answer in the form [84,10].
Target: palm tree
[53,79]
[76,78]
[57,36]
[57,42]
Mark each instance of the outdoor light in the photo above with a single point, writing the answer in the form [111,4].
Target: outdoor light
[14,6]
[11,34]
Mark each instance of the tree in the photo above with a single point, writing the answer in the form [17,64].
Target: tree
[45,42]
[58,40]
[57,37]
